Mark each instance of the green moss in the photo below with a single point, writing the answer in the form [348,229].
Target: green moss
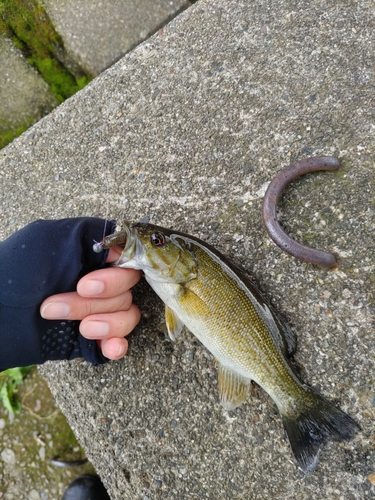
[27,24]
[7,136]
[62,83]
[345,167]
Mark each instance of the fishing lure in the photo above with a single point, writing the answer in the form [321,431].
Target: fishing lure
[272,196]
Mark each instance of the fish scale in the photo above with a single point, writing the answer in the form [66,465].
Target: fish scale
[221,307]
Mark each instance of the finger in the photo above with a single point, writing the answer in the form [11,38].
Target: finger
[73,307]
[114,348]
[107,282]
[117,324]
[114,253]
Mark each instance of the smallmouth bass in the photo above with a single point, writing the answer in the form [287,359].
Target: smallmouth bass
[221,307]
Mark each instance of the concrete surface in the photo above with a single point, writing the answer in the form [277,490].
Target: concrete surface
[24,95]
[97,34]
[188,129]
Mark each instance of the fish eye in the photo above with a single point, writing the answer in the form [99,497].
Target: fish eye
[157,239]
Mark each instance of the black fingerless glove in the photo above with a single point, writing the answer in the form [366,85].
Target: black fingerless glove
[44,258]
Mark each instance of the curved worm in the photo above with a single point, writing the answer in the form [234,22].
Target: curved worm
[273,195]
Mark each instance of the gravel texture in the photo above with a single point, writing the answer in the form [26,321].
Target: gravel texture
[188,129]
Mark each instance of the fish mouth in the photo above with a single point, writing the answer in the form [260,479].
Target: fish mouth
[121,238]
[128,235]
[129,242]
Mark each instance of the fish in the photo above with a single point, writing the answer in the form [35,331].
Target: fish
[250,341]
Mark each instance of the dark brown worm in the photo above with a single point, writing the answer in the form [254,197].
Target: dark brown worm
[273,195]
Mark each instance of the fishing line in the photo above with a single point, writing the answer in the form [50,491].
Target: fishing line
[98,245]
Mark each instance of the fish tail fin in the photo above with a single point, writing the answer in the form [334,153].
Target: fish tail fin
[314,427]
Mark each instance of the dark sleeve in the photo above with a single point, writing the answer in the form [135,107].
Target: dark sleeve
[44,258]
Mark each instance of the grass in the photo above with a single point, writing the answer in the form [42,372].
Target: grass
[9,381]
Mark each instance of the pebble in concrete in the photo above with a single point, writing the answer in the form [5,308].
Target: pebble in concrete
[8,456]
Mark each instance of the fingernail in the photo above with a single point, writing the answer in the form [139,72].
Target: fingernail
[90,287]
[55,310]
[95,329]
[121,350]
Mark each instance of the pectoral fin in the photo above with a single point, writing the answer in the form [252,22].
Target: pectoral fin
[192,302]
[232,387]
[174,324]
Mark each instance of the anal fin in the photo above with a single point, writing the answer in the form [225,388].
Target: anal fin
[174,324]
[233,387]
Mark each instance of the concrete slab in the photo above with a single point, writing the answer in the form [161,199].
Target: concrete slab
[188,129]
[24,95]
[99,33]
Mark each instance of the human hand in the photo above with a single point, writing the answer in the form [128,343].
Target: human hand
[103,302]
